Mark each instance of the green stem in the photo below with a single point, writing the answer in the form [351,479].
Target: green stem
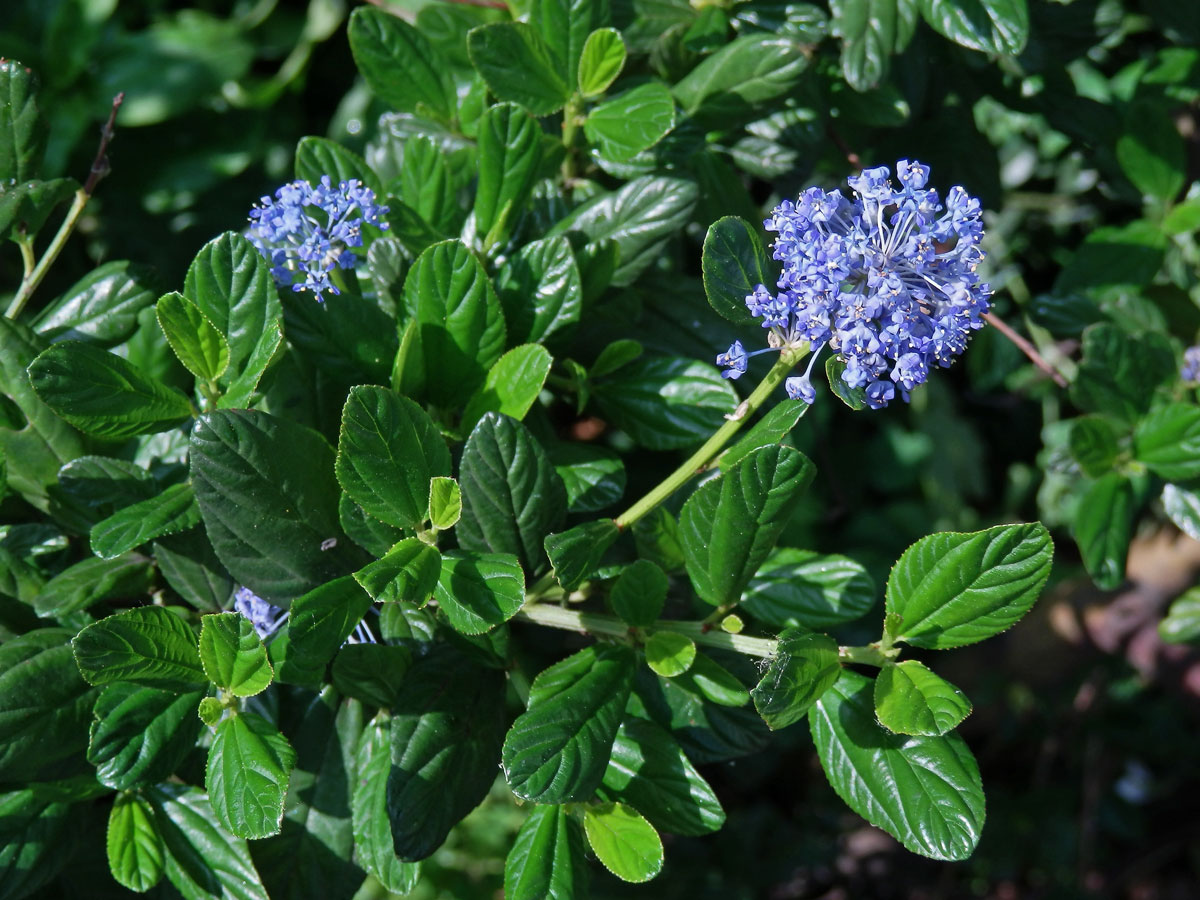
[572,116]
[25,242]
[30,284]
[700,459]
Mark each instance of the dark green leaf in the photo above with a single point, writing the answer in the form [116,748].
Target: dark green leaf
[802,670]
[535,81]
[149,646]
[910,699]
[200,347]
[1151,150]
[541,290]
[267,513]
[770,429]
[102,394]
[345,335]
[372,673]
[953,589]
[631,122]
[924,791]
[233,657]
[512,385]
[135,849]
[1168,441]
[171,511]
[565,25]
[593,476]
[33,833]
[855,398]
[614,356]
[992,26]
[399,64]
[428,185]
[372,830]
[1113,256]
[748,71]
[317,157]
[190,566]
[1103,527]
[26,206]
[871,31]
[656,536]
[478,591]
[512,497]
[650,772]
[576,552]
[1120,371]
[600,62]
[447,728]
[407,572]
[22,129]
[547,860]
[320,621]
[623,841]
[1064,315]
[388,449]
[734,264]
[812,590]
[557,750]
[713,682]
[140,735]
[639,593]
[101,307]
[729,525]
[510,154]
[368,532]
[91,580]
[1093,444]
[249,764]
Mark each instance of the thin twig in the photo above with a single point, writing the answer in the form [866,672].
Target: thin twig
[100,165]
[1027,348]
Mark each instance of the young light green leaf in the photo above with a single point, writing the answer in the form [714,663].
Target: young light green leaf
[135,850]
[954,589]
[388,449]
[199,346]
[631,122]
[576,552]
[910,699]
[249,765]
[623,841]
[103,394]
[638,594]
[140,735]
[923,791]
[601,62]
[400,65]
[1103,527]
[670,654]
[368,807]
[510,155]
[478,591]
[445,502]
[547,860]
[535,81]
[408,572]
[812,590]
[802,670]
[729,525]
[174,510]
[149,646]
[210,711]
[557,750]
[991,26]
[512,385]
[233,657]
[1168,441]
[733,263]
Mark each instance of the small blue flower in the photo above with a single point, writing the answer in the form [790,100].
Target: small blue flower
[265,617]
[306,231]
[735,359]
[799,387]
[1191,364]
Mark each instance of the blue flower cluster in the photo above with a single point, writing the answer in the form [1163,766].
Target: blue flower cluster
[306,231]
[265,617]
[1191,364]
[887,280]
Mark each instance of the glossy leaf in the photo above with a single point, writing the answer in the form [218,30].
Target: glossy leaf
[407,572]
[370,672]
[1103,527]
[627,124]
[510,153]
[541,290]
[135,850]
[1182,507]
[102,307]
[992,26]
[445,502]
[536,82]
[1182,622]
[317,157]
[547,860]
[233,657]
[601,61]
[576,552]
[812,590]
[249,764]
[954,589]
[804,667]
[22,128]
[594,477]
[745,73]
[140,735]
[871,31]
[478,591]
[400,65]
[149,646]
[1120,371]
[202,349]
[173,510]
[372,831]
[924,791]
[91,580]
[1168,441]
[626,844]
[512,385]
[734,263]
[910,699]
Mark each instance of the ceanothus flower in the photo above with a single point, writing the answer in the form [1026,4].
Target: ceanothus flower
[306,231]
[1189,372]
[886,278]
[264,616]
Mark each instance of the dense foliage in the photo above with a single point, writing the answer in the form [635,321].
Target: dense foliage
[453,503]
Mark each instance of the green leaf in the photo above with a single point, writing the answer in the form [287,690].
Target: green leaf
[445,502]
[729,525]
[614,356]
[1093,444]
[910,699]
[249,764]
[623,841]
[200,347]
[408,572]
[802,670]
[1064,316]
[233,657]
[639,218]
[102,307]
[631,122]
[368,805]
[103,394]
[1103,526]
[171,511]
[190,566]
[459,320]
[320,621]
[371,673]
[318,156]
[203,859]
[991,26]
[601,62]
[91,580]
[1168,441]
[478,591]
[734,263]
[267,513]
[34,829]
[512,385]
[728,86]
[135,850]
[953,589]
[1114,256]
[557,750]
[639,593]
[210,711]
[871,32]
[541,290]
[855,398]
[510,156]
[547,860]
[140,735]
[388,449]
[1151,150]
[512,497]
[400,65]
[22,129]
[666,402]
[1183,508]
[535,81]
[713,682]
[45,706]
[565,26]
[1182,622]
[923,791]
[447,728]
[649,771]
[231,283]
[593,476]
[1120,371]
[670,654]
[812,590]
[149,646]
[345,335]
[576,552]
[27,205]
